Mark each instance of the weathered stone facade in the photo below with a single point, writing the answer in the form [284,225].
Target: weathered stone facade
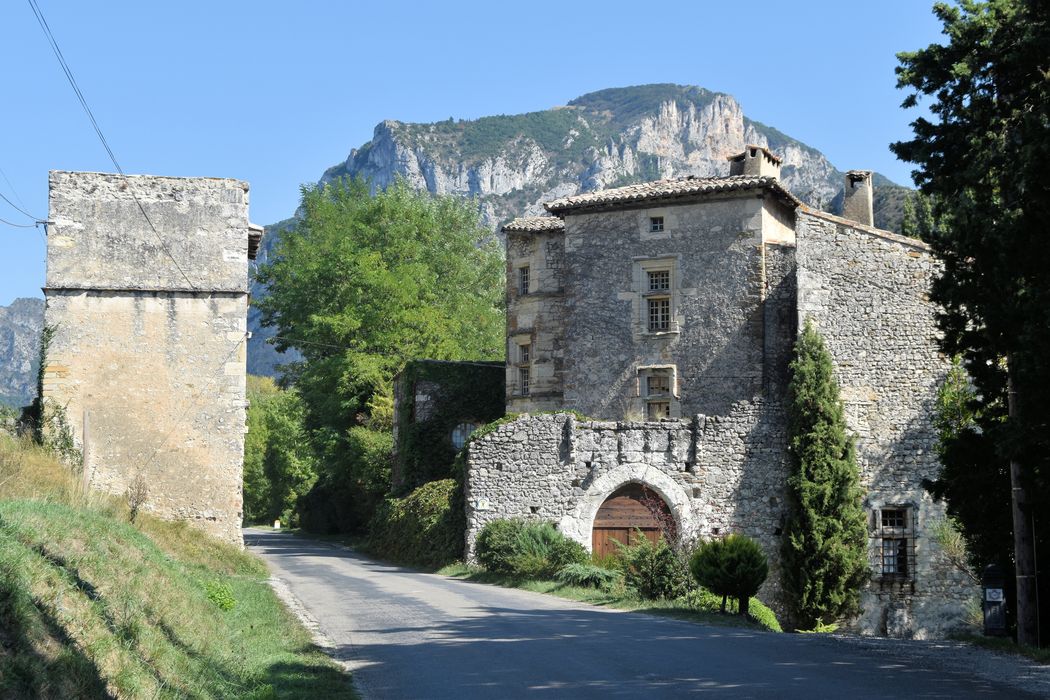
[147,360]
[681,300]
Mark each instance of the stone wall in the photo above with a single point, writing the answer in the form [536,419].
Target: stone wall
[717,474]
[147,362]
[866,292]
[536,319]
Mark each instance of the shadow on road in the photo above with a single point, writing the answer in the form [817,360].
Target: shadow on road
[405,642]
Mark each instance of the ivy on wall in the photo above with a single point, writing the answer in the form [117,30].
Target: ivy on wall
[460,392]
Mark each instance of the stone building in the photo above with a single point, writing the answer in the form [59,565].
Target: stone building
[667,311]
[147,295]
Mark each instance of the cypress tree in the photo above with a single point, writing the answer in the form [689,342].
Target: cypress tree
[825,548]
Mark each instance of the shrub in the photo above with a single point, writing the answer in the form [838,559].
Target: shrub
[704,600]
[220,595]
[528,550]
[653,570]
[732,566]
[425,528]
[587,576]
[825,557]
[496,545]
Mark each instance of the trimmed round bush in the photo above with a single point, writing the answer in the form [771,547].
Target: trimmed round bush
[734,566]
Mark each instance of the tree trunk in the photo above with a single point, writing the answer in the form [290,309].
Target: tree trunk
[745,602]
[1024,552]
[723,605]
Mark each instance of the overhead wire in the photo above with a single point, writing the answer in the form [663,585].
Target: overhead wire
[98,131]
[14,192]
[16,207]
[11,223]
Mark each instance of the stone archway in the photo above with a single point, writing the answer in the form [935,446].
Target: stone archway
[630,513]
[578,523]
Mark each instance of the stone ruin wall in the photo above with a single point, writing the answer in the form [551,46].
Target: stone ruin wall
[718,474]
[147,366]
[866,292]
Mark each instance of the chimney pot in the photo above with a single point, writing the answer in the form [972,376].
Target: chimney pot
[857,199]
[756,161]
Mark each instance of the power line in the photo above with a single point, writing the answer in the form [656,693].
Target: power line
[10,223]
[13,190]
[18,208]
[98,131]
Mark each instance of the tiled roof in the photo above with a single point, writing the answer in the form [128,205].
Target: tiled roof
[534,224]
[669,189]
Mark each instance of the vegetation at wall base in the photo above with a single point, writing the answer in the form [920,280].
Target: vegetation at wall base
[91,606]
[423,529]
[696,605]
[981,147]
[653,571]
[526,549]
[825,543]
[732,566]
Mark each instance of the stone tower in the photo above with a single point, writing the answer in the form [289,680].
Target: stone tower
[147,295]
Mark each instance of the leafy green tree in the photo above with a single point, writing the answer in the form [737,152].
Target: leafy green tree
[983,158]
[363,283]
[825,556]
[256,487]
[359,286]
[734,565]
[279,464]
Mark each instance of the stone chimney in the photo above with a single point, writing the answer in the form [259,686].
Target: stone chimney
[756,161]
[856,204]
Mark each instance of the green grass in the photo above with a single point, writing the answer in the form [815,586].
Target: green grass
[93,606]
[699,606]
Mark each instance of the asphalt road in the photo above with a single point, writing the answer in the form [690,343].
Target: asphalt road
[407,634]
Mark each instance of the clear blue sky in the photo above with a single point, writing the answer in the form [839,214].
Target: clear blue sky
[274,92]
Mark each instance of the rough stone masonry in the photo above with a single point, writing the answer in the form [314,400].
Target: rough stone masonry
[147,294]
[667,311]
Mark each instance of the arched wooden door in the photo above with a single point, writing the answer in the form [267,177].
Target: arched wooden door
[630,508]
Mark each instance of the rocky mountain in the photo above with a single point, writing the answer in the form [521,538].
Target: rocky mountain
[21,325]
[513,163]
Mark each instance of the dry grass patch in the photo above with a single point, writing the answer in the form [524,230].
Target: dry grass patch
[92,606]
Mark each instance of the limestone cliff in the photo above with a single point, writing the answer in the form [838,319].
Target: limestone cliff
[21,325]
[513,163]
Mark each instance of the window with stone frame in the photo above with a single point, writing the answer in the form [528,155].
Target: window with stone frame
[658,299]
[524,379]
[656,386]
[895,538]
[523,279]
[656,224]
[524,354]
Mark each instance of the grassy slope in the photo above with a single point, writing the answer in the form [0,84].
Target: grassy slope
[91,606]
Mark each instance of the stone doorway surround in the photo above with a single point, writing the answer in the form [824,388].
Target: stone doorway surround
[578,524]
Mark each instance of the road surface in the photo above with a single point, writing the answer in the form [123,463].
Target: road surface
[407,634]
